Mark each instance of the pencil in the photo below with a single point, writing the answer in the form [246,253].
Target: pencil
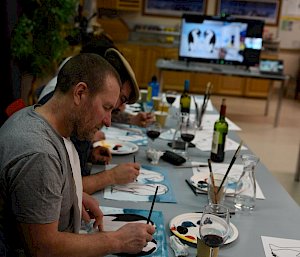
[151,209]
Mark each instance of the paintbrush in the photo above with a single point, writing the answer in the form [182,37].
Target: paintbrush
[205,101]
[191,166]
[237,152]
[191,187]
[151,209]
[212,179]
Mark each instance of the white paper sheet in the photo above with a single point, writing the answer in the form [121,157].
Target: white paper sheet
[203,140]
[209,121]
[280,247]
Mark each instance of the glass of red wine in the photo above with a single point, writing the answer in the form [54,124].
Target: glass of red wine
[171,97]
[153,131]
[188,129]
[214,227]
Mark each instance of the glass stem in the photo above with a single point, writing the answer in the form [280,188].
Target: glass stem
[186,148]
[211,252]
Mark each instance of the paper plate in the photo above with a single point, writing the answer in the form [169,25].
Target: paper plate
[117,146]
[190,222]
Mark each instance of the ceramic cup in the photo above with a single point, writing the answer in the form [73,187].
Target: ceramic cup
[216,196]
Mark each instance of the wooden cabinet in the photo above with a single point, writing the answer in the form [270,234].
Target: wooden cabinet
[230,85]
[143,59]
[257,87]
[125,5]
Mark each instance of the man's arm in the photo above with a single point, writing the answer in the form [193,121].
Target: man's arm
[121,174]
[45,240]
[141,119]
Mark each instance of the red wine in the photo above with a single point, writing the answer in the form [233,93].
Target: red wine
[153,134]
[187,137]
[213,240]
[171,99]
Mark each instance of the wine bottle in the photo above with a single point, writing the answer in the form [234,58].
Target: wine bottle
[219,136]
[185,99]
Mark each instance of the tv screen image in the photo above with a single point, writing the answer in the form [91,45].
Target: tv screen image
[220,40]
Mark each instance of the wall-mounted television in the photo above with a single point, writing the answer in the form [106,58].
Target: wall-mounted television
[221,40]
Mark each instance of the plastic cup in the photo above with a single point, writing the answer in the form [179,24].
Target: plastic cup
[161,117]
[143,93]
[164,107]
[215,197]
[156,102]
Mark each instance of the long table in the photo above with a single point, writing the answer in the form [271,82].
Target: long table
[180,66]
[276,216]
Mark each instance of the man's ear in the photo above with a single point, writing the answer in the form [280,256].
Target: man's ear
[80,92]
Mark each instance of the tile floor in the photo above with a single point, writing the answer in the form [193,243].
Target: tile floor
[277,147]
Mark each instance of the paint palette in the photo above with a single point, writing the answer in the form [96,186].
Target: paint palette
[186,227]
[117,146]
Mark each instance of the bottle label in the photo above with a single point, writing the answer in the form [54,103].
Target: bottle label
[215,141]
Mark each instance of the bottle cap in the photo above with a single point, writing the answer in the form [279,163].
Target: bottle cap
[186,84]
[154,78]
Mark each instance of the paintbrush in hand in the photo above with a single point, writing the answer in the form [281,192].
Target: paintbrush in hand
[151,209]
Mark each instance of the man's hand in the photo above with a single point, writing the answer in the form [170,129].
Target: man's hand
[100,154]
[125,173]
[134,236]
[142,119]
[91,210]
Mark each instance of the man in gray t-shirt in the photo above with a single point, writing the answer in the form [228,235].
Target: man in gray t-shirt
[38,201]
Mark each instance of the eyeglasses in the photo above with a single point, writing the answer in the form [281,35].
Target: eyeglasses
[123,99]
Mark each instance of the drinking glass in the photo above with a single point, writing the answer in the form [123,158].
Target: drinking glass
[153,131]
[214,226]
[187,131]
[171,97]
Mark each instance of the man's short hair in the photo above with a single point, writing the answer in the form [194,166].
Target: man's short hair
[89,68]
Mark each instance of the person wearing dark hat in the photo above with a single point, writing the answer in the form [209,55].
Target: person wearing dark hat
[123,173]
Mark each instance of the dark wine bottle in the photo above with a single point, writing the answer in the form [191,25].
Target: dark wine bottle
[219,136]
[185,99]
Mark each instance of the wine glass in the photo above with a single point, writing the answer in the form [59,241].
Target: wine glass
[153,131]
[171,97]
[187,131]
[214,227]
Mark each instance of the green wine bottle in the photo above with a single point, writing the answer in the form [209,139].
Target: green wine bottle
[219,136]
[185,99]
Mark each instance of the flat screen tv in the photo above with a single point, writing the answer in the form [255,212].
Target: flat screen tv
[221,40]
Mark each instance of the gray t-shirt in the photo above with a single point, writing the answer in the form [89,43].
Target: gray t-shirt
[36,183]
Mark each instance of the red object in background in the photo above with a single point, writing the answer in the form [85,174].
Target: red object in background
[14,107]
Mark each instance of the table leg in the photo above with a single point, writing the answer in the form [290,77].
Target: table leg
[269,98]
[279,101]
